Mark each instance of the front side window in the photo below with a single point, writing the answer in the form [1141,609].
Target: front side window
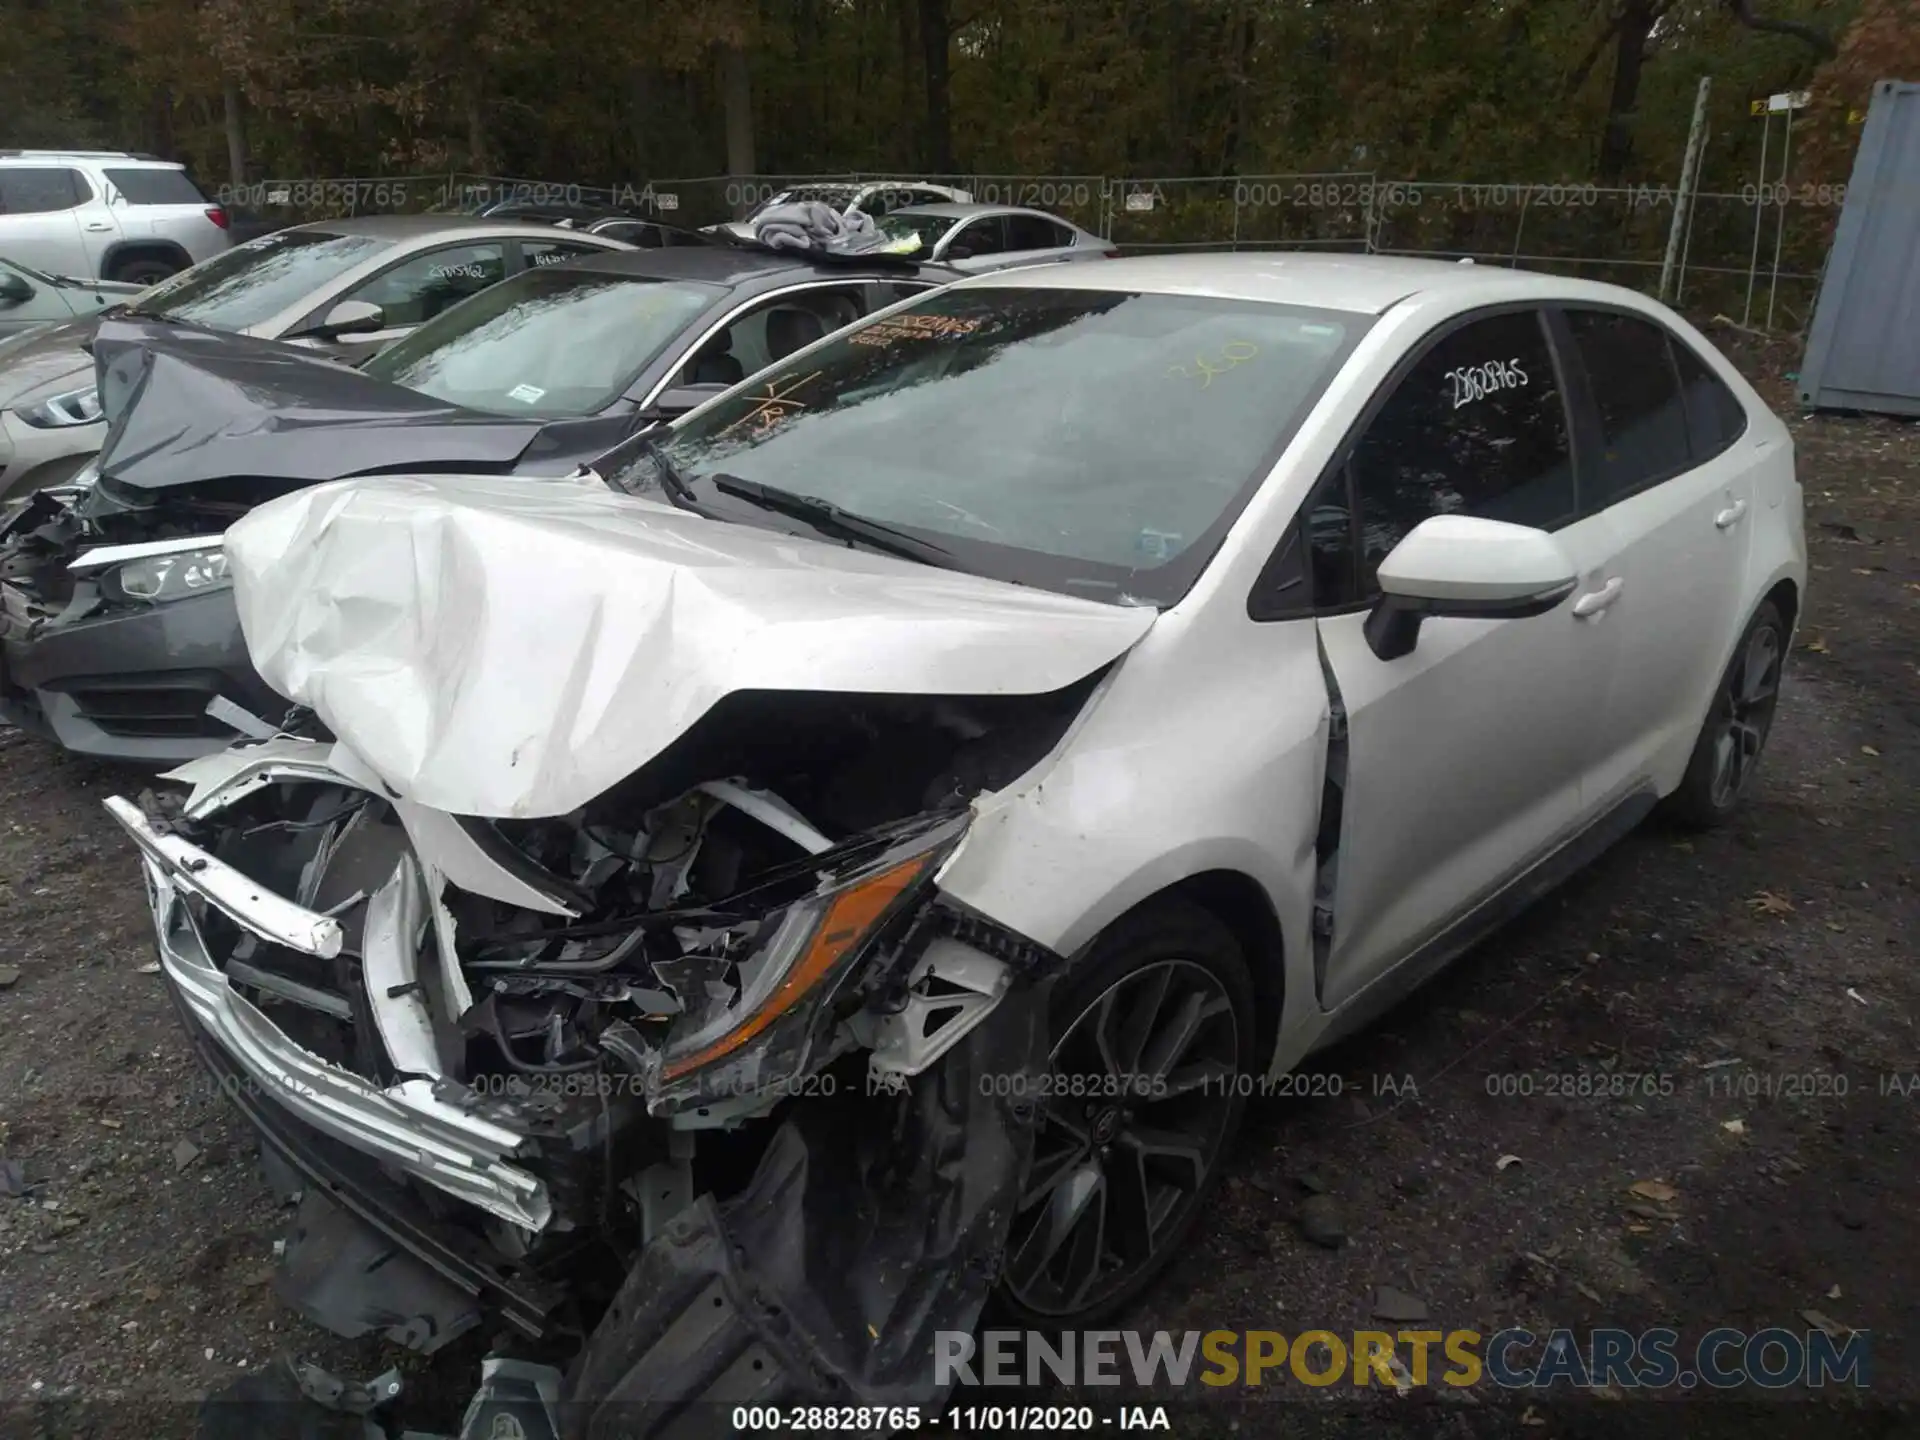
[1643,422]
[930,228]
[416,290]
[251,283]
[40,190]
[1093,442]
[985,236]
[549,342]
[1478,426]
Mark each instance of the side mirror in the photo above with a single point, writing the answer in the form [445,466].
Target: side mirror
[14,289]
[1459,566]
[677,400]
[349,317]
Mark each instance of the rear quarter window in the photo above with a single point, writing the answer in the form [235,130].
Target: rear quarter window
[156,187]
[1715,416]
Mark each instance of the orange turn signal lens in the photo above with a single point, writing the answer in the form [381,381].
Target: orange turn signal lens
[847,920]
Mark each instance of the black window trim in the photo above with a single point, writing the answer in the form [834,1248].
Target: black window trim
[1674,343]
[1592,436]
[1265,602]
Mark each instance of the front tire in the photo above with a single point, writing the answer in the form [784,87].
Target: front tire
[1720,772]
[1152,1028]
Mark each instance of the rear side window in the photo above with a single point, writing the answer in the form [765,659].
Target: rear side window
[1031,232]
[156,187]
[1715,417]
[40,190]
[1643,423]
[1477,427]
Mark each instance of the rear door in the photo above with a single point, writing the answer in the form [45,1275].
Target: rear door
[40,218]
[977,245]
[1672,476]
[1465,758]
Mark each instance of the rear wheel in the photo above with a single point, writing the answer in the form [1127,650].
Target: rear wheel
[1152,1029]
[144,270]
[1728,750]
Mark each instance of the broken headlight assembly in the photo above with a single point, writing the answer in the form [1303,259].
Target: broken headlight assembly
[764,1030]
[57,412]
[172,576]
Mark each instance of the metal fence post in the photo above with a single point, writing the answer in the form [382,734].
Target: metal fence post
[1759,216]
[1695,132]
[1686,244]
[1519,226]
[1780,229]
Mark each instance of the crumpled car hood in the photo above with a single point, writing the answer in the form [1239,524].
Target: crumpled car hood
[189,406]
[513,648]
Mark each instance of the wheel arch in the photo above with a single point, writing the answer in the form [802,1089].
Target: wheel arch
[121,251]
[1239,902]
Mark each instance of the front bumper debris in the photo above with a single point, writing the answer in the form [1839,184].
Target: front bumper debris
[411,1124]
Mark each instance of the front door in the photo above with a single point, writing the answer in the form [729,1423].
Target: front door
[1465,758]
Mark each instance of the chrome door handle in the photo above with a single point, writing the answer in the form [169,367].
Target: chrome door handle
[1594,601]
[98,225]
[1731,515]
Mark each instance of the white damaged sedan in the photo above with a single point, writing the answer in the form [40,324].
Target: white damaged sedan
[844,858]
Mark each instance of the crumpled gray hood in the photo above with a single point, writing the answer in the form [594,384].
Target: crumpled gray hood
[514,647]
[189,406]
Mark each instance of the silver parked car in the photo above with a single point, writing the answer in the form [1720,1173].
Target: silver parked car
[343,287]
[105,214]
[977,238]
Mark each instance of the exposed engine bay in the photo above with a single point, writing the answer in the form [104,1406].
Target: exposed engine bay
[732,974]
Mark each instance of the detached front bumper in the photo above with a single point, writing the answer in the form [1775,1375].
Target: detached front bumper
[128,685]
[431,1129]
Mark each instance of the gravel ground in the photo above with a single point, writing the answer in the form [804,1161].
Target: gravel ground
[1766,969]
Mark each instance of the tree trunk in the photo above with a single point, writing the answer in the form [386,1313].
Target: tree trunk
[736,94]
[639,95]
[236,131]
[476,115]
[902,148]
[1629,57]
[936,36]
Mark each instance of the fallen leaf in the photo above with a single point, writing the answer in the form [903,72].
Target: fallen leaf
[1721,1064]
[1734,1127]
[1825,1322]
[1869,750]
[1768,903]
[1834,1293]
[1656,1190]
[1505,1160]
[1530,1416]
[1853,994]
[152,967]
[1589,1292]
[110,1124]
[1638,1229]
[1817,645]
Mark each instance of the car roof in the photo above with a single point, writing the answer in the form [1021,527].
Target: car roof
[424,227]
[723,264]
[972,210]
[1365,284]
[119,159]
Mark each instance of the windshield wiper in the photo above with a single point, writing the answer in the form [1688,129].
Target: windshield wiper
[671,480]
[830,519]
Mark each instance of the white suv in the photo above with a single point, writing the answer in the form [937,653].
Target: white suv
[105,214]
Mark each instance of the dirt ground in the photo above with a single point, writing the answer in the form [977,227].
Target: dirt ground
[1767,970]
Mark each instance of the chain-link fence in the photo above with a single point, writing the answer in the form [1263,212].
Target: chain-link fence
[1755,253]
